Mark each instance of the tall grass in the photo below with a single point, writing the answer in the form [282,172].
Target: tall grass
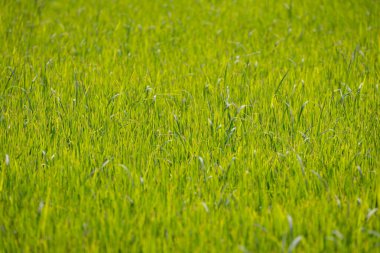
[189,126]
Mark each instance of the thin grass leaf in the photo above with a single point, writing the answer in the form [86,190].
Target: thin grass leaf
[294,244]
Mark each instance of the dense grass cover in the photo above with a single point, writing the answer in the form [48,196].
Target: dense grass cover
[189,126]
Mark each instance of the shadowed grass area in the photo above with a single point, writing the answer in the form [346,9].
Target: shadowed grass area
[189,126]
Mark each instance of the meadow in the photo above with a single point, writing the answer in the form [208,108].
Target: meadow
[189,126]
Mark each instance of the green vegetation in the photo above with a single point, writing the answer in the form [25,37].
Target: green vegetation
[189,126]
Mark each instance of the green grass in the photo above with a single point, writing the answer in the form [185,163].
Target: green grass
[189,126]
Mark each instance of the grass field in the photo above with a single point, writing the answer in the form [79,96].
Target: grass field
[189,126]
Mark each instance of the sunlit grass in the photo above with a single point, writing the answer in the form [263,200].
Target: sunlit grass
[189,126]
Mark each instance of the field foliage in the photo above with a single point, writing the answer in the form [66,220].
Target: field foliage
[189,126]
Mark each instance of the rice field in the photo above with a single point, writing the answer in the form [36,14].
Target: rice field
[189,126]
